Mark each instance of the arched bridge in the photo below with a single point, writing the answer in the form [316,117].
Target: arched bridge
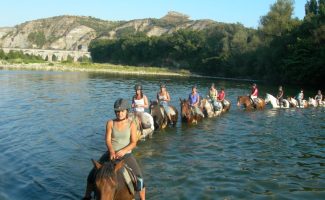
[52,55]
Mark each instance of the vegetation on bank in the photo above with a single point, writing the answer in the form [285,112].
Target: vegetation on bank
[19,57]
[282,50]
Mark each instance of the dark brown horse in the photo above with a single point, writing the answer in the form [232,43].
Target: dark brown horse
[110,183]
[248,105]
[187,114]
[160,117]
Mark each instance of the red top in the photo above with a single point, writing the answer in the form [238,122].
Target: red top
[255,91]
[221,95]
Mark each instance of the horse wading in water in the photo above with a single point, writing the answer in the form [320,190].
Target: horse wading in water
[187,113]
[211,110]
[160,117]
[110,183]
[248,105]
[274,102]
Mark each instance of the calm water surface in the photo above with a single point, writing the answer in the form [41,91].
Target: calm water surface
[53,123]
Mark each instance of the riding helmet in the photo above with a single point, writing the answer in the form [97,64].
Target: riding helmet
[121,104]
[138,87]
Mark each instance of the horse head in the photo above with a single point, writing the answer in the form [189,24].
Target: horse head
[185,109]
[157,114]
[108,185]
[312,102]
[243,100]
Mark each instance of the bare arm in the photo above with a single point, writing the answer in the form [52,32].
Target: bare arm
[108,138]
[145,99]
[168,97]
[131,145]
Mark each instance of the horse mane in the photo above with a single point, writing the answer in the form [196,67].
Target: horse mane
[106,171]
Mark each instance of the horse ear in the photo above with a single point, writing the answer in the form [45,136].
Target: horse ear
[96,164]
[119,165]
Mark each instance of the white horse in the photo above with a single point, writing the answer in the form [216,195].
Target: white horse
[294,103]
[144,123]
[275,103]
[208,107]
[313,102]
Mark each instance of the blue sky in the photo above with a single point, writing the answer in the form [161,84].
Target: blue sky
[247,12]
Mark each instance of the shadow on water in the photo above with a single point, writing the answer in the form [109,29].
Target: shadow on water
[53,123]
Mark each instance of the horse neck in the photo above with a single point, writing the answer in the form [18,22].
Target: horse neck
[272,99]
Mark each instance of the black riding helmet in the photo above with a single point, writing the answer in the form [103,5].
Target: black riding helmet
[121,104]
[138,87]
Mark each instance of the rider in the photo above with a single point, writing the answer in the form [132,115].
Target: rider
[280,96]
[120,141]
[222,95]
[300,97]
[213,94]
[163,99]
[254,94]
[319,97]
[139,100]
[194,99]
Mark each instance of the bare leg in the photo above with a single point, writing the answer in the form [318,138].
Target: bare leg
[142,194]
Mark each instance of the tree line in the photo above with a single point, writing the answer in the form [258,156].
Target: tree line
[282,50]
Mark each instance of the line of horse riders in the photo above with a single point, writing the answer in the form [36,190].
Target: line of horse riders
[117,174]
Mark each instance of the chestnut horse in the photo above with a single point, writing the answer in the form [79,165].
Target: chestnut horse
[187,113]
[160,117]
[248,105]
[110,183]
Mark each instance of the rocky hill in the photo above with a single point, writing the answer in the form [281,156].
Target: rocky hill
[76,32]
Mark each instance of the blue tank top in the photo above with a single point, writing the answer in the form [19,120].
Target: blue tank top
[193,98]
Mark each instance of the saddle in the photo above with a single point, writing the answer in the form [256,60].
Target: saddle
[130,179]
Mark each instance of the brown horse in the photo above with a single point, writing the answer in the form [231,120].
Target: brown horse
[187,114]
[160,117]
[110,183]
[248,105]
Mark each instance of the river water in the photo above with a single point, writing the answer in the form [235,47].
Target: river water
[53,123]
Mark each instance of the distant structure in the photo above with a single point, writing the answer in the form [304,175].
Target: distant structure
[52,55]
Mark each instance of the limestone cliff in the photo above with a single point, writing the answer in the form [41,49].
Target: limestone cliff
[76,32]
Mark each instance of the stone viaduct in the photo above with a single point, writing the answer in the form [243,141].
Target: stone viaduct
[52,55]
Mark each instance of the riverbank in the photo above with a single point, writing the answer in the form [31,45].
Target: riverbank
[95,67]
[109,68]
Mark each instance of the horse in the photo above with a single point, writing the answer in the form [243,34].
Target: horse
[160,117]
[144,123]
[210,110]
[226,105]
[312,102]
[248,105]
[110,183]
[187,114]
[315,103]
[294,103]
[275,103]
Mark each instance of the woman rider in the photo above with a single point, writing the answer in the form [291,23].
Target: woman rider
[300,97]
[319,97]
[194,99]
[139,100]
[120,141]
[213,93]
[221,96]
[280,96]
[163,99]
[254,94]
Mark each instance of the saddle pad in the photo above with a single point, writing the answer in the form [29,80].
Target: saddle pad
[172,111]
[128,180]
